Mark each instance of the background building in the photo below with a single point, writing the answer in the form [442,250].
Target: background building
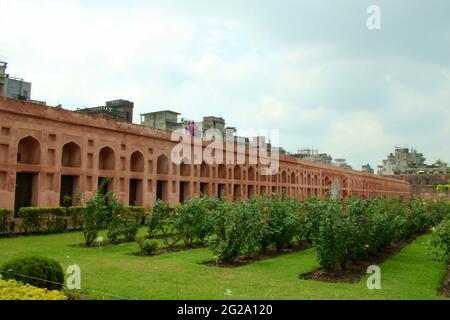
[409,165]
[406,161]
[13,88]
[367,168]
[120,110]
[341,163]
[313,155]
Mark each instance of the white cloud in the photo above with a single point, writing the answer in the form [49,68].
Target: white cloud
[334,87]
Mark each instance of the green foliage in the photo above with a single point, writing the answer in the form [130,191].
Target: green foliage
[236,231]
[164,222]
[443,188]
[51,220]
[194,219]
[280,221]
[362,227]
[438,210]
[136,211]
[37,271]
[98,212]
[310,217]
[6,216]
[147,246]
[77,216]
[122,226]
[333,241]
[440,241]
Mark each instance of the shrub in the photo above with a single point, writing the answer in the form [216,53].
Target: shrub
[280,221]
[310,216]
[137,212]
[122,227]
[6,216]
[237,227]
[193,220]
[164,221]
[438,210]
[440,241]
[37,271]
[419,218]
[334,238]
[356,211]
[13,290]
[77,215]
[147,246]
[98,212]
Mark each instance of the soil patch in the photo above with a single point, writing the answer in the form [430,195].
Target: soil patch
[355,271]
[162,251]
[445,289]
[242,261]
[106,243]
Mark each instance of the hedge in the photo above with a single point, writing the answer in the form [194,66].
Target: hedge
[52,220]
[55,220]
[76,214]
[6,216]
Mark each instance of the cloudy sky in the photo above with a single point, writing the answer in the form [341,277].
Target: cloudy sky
[311,69]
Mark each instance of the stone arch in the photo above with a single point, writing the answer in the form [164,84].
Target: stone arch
[308,179]
[237,173]
[137,162]
[106,159]
[251,174]
[29,151]
[293,178]
[71,155]
[162,166]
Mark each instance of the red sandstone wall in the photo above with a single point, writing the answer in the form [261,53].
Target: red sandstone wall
[52,129]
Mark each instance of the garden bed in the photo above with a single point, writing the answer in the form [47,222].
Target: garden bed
[355,271]
[106,243]
[270,254]
[444,290]
[167,250]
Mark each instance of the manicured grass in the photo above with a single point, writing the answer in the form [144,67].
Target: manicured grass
[411,274]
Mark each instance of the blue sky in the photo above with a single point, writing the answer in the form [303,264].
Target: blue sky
[311,69]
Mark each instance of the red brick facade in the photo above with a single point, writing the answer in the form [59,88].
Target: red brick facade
[45,150]
[424,185]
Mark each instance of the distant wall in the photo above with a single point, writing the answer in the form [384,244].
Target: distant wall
[48,153]
[424,185]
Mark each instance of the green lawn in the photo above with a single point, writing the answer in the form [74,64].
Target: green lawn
[412,274]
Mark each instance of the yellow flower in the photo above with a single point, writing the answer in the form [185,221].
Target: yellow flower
[13,290]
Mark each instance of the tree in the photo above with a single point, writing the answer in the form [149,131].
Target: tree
[99,212]
[441,163]
[443,188]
